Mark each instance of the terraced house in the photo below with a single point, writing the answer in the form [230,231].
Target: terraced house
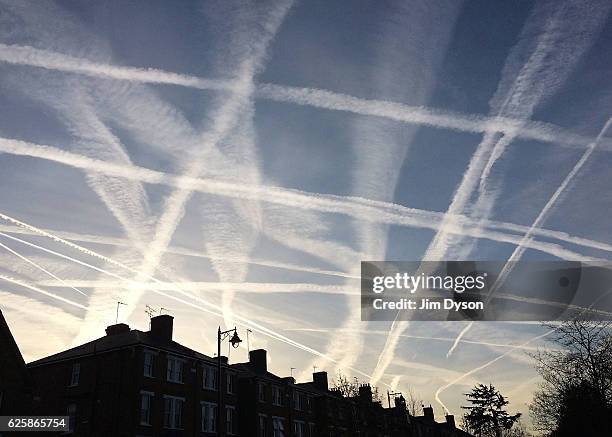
[143,383]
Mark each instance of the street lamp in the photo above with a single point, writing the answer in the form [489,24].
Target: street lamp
[392,394]
[235,342]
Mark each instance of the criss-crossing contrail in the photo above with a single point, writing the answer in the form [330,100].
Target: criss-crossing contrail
[324,99]
[518,94]
[41,291]
[181,251]
[223,121]
[519,250]
[201,304]
[485,365]
[39,267]
[365,209]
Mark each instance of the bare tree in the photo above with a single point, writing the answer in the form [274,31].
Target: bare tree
[414,403]
[349,388]
[577,379]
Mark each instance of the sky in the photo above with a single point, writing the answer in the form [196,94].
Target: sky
[231,163]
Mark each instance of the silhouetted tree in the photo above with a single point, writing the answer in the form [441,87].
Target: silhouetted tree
[575,396]
[350,387]
[486,416]
[518,430]
[414,403]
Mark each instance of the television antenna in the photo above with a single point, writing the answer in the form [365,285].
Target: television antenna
[117,316]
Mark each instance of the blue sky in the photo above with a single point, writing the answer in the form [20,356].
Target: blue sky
[234,161]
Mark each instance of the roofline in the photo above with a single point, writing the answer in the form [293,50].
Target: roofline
[50,360]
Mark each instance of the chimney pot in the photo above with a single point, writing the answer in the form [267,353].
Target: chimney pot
[120,328]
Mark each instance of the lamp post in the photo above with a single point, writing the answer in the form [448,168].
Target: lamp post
[391,394]
[235,342]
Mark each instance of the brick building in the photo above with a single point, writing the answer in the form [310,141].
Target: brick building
[135,383]
[270,405]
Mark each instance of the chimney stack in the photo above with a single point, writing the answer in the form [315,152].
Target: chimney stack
[365,392]
[161,327]
[120,328]
[450,420]
[428,413]
[259,360]
[319,380]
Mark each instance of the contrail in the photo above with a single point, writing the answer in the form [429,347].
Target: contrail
[487,364]
[459,338]
[38,290]
[225,119]
[208,307]
[546,211]
[416,337]
[479,368]
[324,99]
[39,267]
[518,251]
[243,287]
[517,100]
[370,210]
[382,145]
[182,251]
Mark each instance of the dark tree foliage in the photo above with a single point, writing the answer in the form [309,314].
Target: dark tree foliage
[575,397]
[486,416]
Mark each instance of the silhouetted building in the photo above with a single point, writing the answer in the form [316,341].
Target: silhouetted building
[426,426]
[270,405]
[334,415]
[15,387]
[134,383]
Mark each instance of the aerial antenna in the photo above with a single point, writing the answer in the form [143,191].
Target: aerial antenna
[162,309]
[248,343]
[314,369]
[117,316]
[150,311]
[292,369]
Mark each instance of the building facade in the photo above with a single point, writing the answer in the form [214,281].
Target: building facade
[137,384]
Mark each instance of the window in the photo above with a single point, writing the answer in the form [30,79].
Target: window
[175,370]
[210,378]
[173,412]
[261,392]
[148,364]
[230,420]
[278,424]
[263,425]
[311,430]
[309,403]
[209,417]
[277,397]
[146,399]
[299,429]
[71,412]
[231,383]
[75,375]
[298,400]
